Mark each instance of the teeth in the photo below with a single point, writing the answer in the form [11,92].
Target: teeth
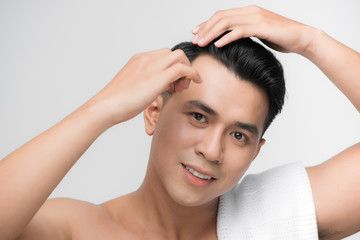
[197,174]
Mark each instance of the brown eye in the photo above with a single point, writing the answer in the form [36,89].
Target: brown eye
[238,136]
[199,117]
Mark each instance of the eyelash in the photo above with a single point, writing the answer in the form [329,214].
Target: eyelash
[196,114]
[243,136]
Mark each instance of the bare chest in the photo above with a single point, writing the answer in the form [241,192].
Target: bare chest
[111,231]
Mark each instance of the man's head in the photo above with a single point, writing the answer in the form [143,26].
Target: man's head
[251,62]
[212,130]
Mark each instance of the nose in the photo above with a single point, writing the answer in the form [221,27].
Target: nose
[210,144]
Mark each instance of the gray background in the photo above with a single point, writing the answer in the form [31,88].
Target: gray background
[54,55]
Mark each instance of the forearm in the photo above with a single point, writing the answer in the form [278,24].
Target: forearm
[29,174]
[338,62]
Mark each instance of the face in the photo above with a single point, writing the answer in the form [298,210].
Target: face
[205,137]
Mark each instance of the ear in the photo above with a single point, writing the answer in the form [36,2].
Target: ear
[151,115]
[261,143]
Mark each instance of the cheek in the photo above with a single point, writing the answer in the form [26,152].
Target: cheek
[181,134]
[187,134]
[172,134]
[237,161]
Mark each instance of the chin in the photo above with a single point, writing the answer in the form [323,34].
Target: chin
[191,199]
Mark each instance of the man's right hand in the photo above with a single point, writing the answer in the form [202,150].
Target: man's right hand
[141,80]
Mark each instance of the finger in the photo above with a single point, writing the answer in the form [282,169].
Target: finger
[161,59]
[145,57]
[229,20]
[241,32]
[182,84]
[205,26]
[223,25]
[217,16]
[196,29]
[178,71]
[233,23]
[179,85]
[160,51]
[174,57]
[160,54]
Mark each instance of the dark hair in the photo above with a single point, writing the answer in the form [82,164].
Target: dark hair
[251,62]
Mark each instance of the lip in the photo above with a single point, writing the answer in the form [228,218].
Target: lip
[199,170]
[195,181]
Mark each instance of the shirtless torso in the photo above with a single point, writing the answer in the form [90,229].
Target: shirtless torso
[113,220]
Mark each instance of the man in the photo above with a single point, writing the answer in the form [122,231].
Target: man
[203,142]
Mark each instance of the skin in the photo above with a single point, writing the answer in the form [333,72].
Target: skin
[204,143]
[208,142]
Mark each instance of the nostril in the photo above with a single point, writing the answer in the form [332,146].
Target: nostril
[216,161]
[202,154]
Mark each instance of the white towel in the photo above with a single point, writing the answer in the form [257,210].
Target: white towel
[276,204]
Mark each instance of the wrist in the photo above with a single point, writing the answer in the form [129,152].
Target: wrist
[312,39]
[95,113]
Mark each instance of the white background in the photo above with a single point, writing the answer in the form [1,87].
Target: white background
[54,55]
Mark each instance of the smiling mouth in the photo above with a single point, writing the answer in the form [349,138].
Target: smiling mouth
[197,174]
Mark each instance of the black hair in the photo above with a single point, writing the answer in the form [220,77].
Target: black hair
[251,62]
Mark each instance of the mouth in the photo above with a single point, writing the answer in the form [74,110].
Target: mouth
[197,174]
[196,178]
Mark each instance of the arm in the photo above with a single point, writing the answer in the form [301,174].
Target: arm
[335,183]
[29,174]
[286,35]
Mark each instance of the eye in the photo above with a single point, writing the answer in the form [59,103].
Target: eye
[199,117]
[238,136]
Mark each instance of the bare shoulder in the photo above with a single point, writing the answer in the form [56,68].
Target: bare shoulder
[64,218]
[335,185]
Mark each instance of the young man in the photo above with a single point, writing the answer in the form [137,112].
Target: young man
[205,136]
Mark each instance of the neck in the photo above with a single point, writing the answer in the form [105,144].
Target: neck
[159,211]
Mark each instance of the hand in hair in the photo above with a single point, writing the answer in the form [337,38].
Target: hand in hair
[280,33]
[141,80]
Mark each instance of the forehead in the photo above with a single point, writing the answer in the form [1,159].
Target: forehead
[231,97]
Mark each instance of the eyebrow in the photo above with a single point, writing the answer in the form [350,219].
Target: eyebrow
[203,106]
[246,126]
[249,127]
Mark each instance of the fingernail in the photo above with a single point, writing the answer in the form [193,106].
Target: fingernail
[202,41]
[218,43]
[194,40]
[195,30]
